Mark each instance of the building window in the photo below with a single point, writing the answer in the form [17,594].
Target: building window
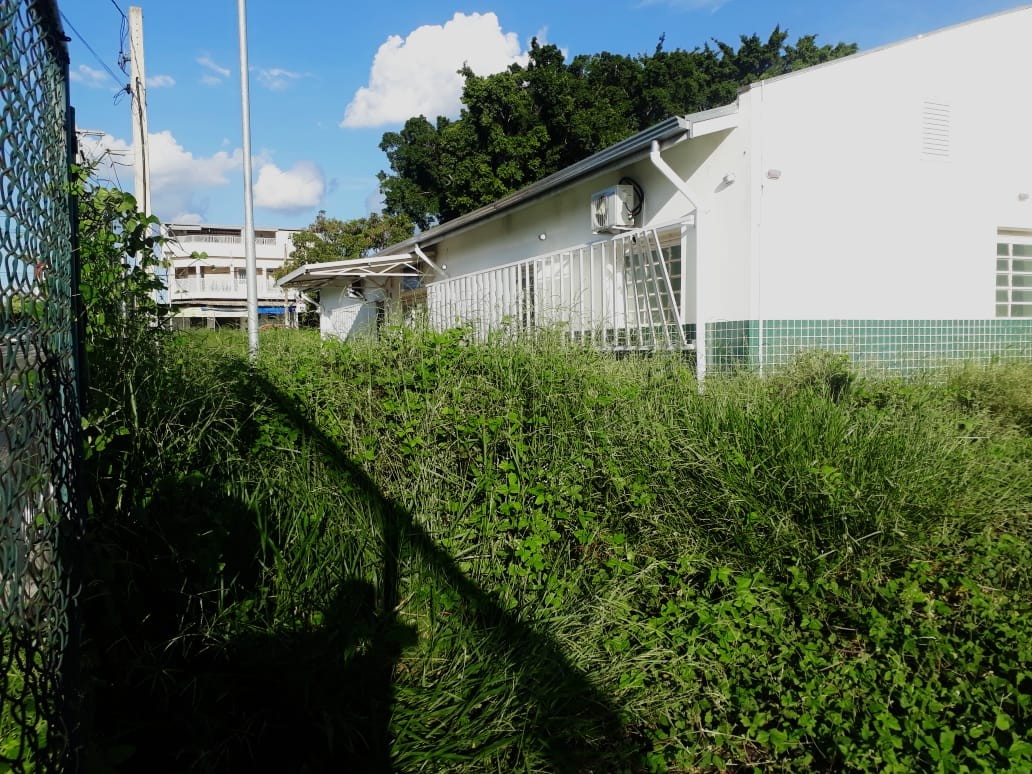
[1014,274]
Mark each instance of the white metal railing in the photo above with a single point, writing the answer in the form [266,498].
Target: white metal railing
[222,239]
[211,287]
[622,293]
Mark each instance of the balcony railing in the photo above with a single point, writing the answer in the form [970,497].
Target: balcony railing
[208,287]
[223,239]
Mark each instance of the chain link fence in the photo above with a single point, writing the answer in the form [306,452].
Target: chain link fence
[40,515]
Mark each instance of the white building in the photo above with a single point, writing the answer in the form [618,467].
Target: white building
[879,204]
[207,275]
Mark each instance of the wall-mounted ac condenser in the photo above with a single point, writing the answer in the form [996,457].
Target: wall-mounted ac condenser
[613,209]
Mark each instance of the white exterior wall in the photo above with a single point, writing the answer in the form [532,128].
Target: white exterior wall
[861,224]
[343,316]
[221,252]
[564,218]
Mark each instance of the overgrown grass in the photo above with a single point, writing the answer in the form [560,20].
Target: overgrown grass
[425,555]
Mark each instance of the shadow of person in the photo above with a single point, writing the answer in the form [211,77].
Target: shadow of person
[311,701]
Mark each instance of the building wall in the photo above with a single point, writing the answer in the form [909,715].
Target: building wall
[343,315]
[564,216]
[218,277]
[864,222]
[855,206]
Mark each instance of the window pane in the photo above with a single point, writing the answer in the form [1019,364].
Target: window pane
[1022,296]
[1002,281]
[1002,295]
[1025,251]
[1001,310]
[1002,248]
[1021,280]
[1002,264]
[1022,265]
[1021,310]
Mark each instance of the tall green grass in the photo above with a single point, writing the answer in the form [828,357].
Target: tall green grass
[425,554]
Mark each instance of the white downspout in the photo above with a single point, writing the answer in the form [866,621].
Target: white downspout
[696,203]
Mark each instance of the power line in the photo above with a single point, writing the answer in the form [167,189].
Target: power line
[90,49]
[123,32]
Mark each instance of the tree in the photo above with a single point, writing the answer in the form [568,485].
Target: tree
[330,239]
[527,122]
[119,255]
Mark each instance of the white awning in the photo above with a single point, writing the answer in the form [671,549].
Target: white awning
[313,276]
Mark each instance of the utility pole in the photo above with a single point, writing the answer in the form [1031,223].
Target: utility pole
[138,90]
[252,263]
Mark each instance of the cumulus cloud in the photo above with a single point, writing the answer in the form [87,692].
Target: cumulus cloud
[87,76]
[181,182]
[215,74]
[418,74]
[160,81]
[276,78]
[300,187]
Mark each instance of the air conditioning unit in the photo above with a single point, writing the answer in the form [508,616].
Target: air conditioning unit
[613,209]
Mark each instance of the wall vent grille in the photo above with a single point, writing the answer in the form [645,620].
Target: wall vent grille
[935,130]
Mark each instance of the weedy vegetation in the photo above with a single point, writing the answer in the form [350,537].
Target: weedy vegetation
[425,554]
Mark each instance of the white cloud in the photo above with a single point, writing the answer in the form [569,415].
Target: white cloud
[181,182]
[300,187]
[188,218]
[216,72]
[276,78]
[87,76]
[160,81]
[418,74]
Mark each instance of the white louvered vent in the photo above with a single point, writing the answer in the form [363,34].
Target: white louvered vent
[935,130]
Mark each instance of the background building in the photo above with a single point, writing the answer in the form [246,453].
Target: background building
[207,275]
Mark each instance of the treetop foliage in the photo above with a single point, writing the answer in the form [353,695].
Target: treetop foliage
[525,123]
[331,239]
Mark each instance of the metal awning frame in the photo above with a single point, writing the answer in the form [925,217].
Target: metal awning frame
[338,273]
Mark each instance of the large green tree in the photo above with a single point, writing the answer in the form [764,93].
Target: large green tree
[527,122]
[331,239]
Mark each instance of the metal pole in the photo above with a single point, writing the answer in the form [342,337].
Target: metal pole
[252,263]
[141,160]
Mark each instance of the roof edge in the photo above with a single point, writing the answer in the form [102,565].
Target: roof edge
[610,156]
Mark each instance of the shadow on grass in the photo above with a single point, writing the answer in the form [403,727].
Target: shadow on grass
[321,698]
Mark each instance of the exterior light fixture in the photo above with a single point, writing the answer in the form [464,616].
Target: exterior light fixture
[1023,197]
[773,174]
[542,236]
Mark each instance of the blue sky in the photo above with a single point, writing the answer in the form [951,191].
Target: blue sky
[328,78]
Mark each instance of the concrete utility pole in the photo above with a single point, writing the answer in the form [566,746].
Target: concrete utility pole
[138,90]
[252,263]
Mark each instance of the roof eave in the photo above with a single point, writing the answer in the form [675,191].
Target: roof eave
[623,152]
